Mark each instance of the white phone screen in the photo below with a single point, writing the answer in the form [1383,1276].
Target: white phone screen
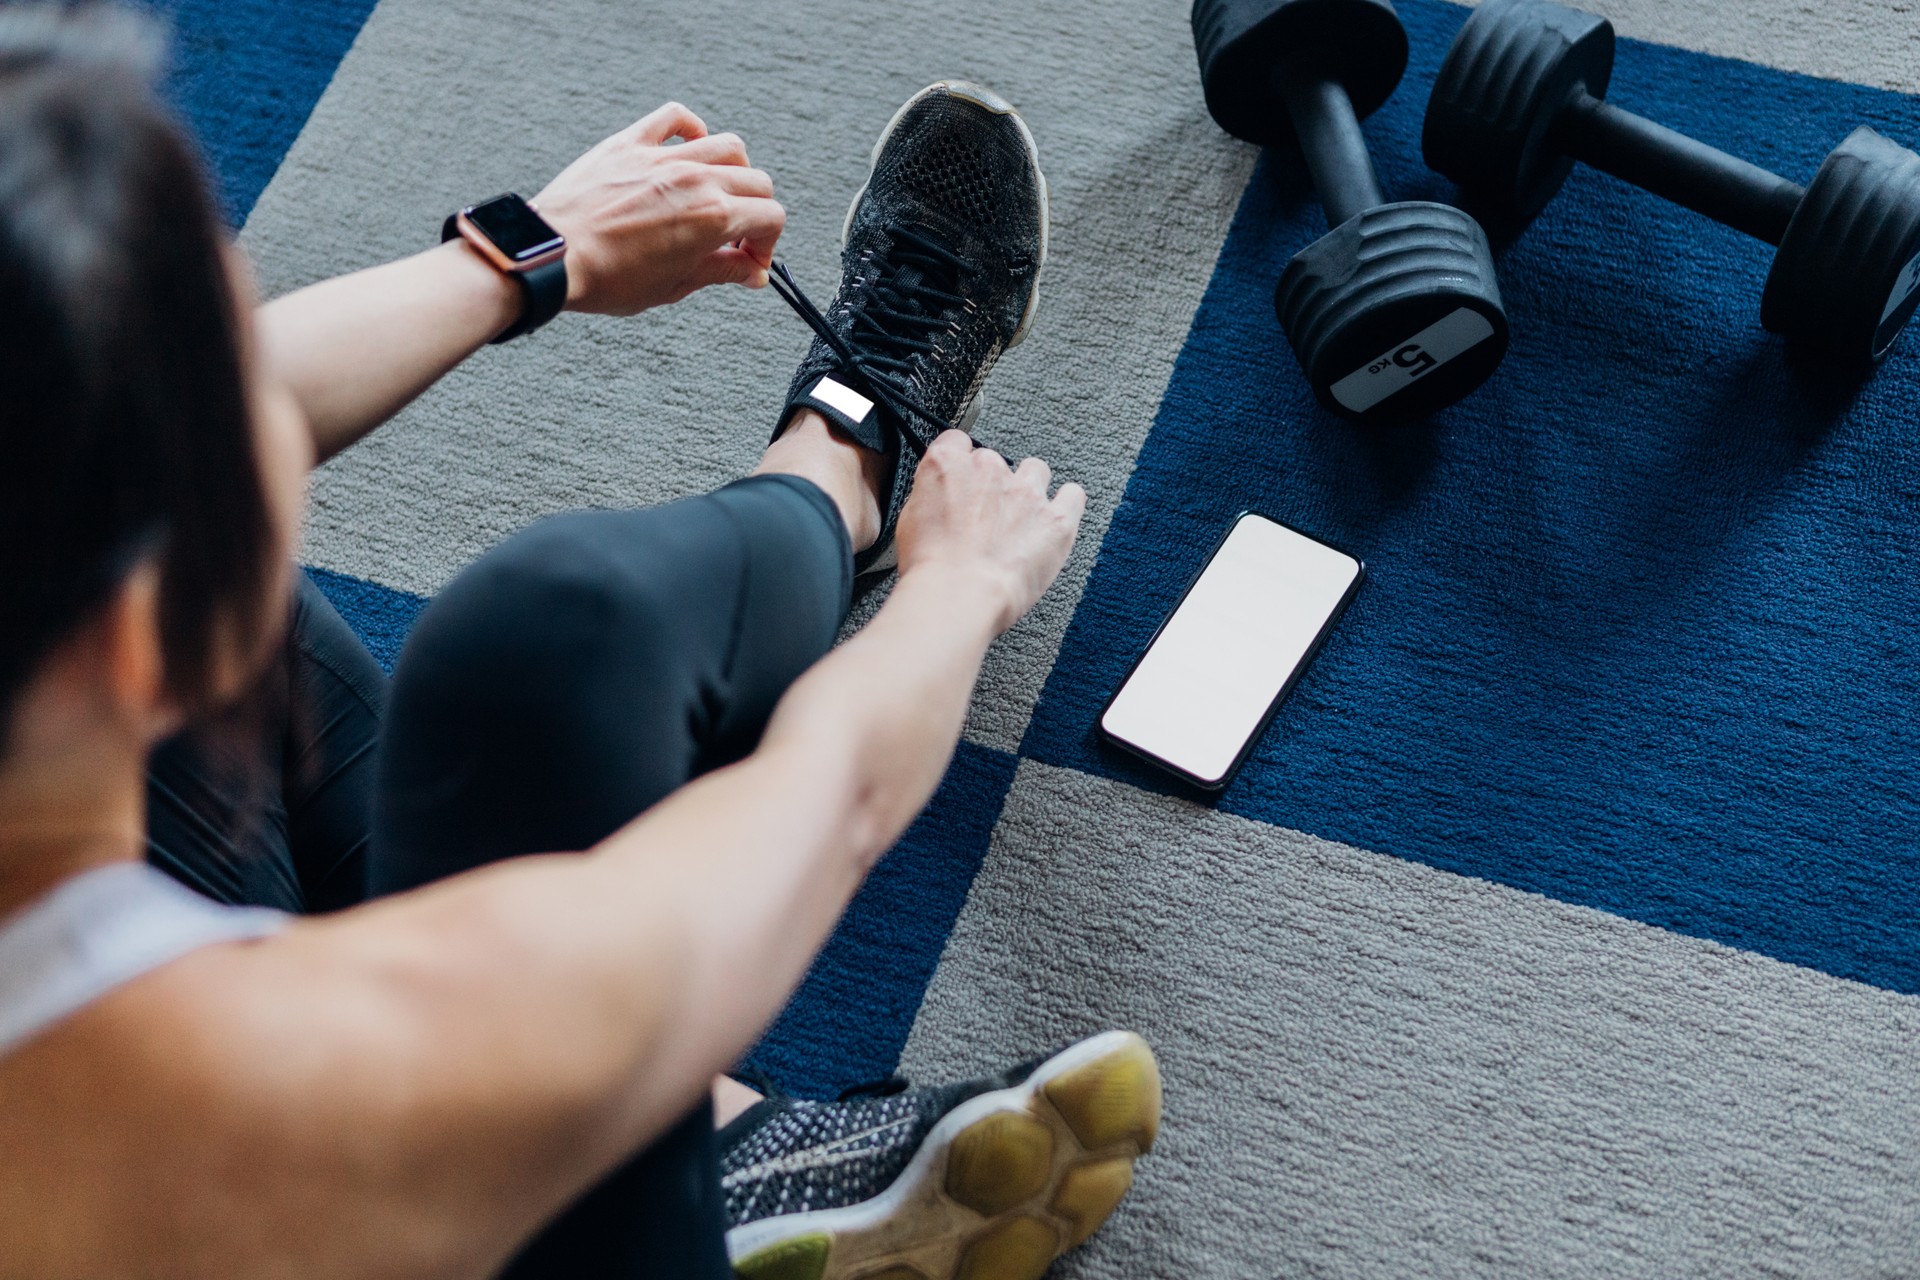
[1231,649]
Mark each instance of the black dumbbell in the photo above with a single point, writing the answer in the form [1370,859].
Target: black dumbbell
[1396,311]
[1521,96]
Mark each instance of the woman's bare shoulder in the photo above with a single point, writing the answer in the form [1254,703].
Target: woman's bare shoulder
[342,1097]
[113,1113]
[196,1119]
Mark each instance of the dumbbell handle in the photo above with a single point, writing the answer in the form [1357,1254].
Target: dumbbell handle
[1336,150]
[1676,167]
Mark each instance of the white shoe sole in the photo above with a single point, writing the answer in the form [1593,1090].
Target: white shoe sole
[1003,1184]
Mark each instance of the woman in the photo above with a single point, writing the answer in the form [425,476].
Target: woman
[510,1064]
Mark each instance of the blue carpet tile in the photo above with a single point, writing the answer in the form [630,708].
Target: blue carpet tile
[1638,631]
[850,1018]
[247,73]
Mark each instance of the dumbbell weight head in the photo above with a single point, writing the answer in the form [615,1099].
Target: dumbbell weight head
[1843,282]
[1396,312]
[1847,276]
[1513,66]
[1245,44]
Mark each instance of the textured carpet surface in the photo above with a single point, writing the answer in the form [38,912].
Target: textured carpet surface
[246,74]
[480,96]
[1637,631]
[1377,1069]
[1598,961]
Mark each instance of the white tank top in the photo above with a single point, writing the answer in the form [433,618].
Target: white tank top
[100,929]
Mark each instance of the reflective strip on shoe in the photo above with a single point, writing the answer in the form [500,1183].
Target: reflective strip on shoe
[843,407]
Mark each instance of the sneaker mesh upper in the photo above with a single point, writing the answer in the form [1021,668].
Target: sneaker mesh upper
[822,1155]
[960,176]
[963,172]
[788,1155]
[950,173]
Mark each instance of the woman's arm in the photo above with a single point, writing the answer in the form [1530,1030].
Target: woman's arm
[356,349]
[646,221]
[446,1068]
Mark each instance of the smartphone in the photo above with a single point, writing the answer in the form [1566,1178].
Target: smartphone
[1216,671]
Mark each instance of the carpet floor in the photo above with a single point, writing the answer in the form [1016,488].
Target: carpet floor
[1566,921]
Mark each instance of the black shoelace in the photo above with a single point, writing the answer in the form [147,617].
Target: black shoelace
[896,324]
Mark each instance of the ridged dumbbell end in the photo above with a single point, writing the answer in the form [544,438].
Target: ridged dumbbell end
[1847,277]
[1244,45]
[1507,75]
[1396,312]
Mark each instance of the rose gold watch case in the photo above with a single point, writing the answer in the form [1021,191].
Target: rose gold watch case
[474,236]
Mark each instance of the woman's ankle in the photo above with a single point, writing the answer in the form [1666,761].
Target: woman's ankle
[849,474]
[730,1100]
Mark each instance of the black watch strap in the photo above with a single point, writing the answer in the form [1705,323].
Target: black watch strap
[543,289]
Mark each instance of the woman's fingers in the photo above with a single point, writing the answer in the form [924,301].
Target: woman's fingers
[733,265]
[718,148]
[1071,501]
[669,121]
[743,182]
[1036,473]
[754,225]
[958,443]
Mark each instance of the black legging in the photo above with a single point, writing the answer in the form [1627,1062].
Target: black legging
[272,806]
[571,678]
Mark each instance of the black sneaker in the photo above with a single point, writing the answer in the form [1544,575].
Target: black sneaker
[940,263]
[990,1178]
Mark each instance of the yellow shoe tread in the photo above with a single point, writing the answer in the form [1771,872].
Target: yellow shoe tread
[1088,1193]
[1113,1099]
[801,1258]
[999,1161]
[1017,1249]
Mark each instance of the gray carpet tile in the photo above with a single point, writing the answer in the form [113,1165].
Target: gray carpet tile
[1874,42]
[442,102]
[1378,1069]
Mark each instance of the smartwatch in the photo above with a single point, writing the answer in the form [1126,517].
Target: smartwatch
[508,233]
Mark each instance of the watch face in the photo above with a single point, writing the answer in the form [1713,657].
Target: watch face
[515,229]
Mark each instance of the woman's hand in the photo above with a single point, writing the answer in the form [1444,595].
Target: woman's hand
[992,524]
[648,223]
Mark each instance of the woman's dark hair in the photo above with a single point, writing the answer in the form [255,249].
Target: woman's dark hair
[124,423]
